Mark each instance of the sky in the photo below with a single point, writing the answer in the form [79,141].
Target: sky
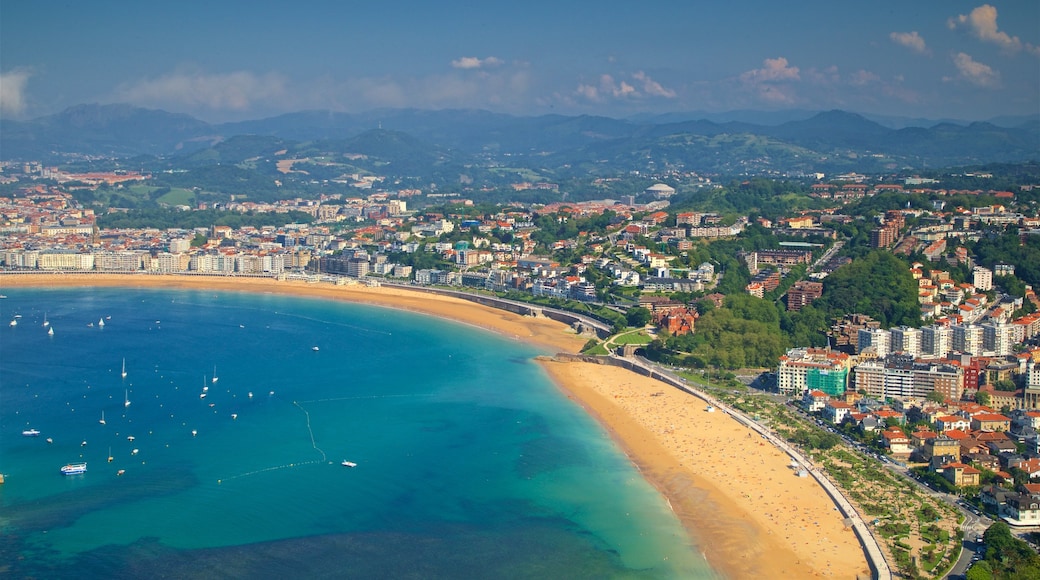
[223,60]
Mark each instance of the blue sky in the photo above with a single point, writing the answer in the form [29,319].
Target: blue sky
[223,60]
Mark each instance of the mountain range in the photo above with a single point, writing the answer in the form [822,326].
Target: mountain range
[738,142]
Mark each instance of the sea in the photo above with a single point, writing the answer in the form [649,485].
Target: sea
[221,451]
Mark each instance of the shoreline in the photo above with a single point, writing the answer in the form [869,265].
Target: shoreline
[750,518]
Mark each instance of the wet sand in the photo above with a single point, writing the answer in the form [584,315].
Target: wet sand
[738,497]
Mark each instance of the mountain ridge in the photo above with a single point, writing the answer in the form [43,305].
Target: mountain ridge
[121,130]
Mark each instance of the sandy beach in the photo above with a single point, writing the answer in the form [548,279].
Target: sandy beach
[742,503]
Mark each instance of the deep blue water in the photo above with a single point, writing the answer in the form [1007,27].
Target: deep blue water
[470,464]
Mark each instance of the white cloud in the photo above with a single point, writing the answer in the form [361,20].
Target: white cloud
[652,87]
[236,91]
[12,92]
[471,62]
[975,72]
[773,70]
[911,40]
[982,23]
[772,82]
[621,89]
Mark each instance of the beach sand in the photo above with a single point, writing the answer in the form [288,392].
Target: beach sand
[737,495]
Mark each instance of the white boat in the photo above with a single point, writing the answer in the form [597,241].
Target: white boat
[129,437]
[30,433]
[74,469]
[250,394]
[14,322]
[102,421]
[194,432]
[202,395]
[234,416]
[50,331]
[121,472]
[214,379]
[49,440]
[315,349]
[101,322]
[346,463]
[134,451]
[126,398]
[45,322]
[110,458]
[124,368]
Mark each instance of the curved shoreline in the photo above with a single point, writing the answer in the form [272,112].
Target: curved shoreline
[736,497]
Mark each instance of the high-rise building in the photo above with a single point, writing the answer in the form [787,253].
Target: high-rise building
[998,338]
[906,340]
[936,341]
[967,338]
[879,340]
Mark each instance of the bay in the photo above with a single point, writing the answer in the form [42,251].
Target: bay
[469,462]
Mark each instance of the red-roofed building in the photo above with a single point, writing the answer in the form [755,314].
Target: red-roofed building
[896,441]
[815,400]
[990,422]
[951,422]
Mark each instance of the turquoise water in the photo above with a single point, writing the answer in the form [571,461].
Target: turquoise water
[469,462]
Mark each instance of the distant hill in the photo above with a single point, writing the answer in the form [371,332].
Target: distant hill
[412,141]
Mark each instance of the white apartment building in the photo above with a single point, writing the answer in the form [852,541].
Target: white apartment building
[967,338]
[119,261]
[65,261]
[936,341]
[217,263]
[21,259]
[982,279]
[998,338]
[906,340]
[880,340]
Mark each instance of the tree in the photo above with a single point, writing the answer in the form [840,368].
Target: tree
[982,398]
[980,570]
[638,316]
[937,397]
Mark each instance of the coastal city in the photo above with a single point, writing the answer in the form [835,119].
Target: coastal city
[520,290]
[945,391]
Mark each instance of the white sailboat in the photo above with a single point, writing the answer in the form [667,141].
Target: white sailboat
[45,322]
[50,331]
[102,421]
[126,398]
[124,368]
[101,322]
[214,379]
